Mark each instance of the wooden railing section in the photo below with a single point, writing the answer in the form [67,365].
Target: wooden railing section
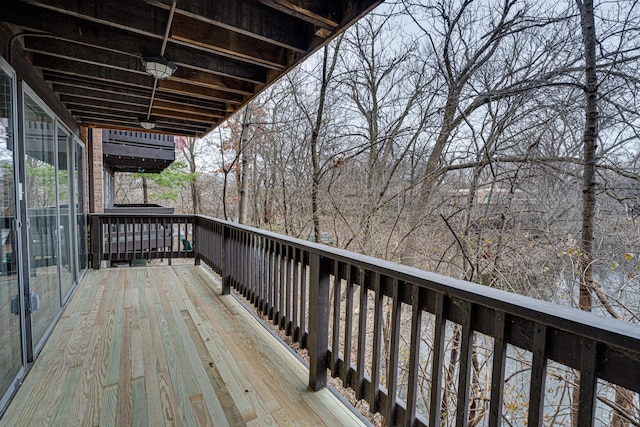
[336,304]
[116,237]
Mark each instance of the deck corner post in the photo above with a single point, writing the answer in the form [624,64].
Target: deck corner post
[225,250]
[194,236]
[318,338]
[96,242]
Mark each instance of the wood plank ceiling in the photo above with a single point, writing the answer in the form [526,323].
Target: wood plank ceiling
[227,51]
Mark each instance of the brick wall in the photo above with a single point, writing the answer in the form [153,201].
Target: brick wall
[97,179]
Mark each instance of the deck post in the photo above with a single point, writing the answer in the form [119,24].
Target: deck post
[194,236]
[318,338]
[225,250]
[96,242]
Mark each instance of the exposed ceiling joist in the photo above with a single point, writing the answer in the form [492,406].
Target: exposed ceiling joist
[89,52]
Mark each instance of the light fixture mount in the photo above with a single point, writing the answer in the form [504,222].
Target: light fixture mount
[147,124]
[159,68]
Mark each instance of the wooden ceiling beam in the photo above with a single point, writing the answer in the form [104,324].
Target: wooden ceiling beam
[173,106]
[75,103]
[200,78]
[208,62]
[74,95]
[121,88]
[96,72]
[91,50]
[243,16]
[246,17]
[184,88]
[229,43]
[135,127]
[208,119]
[81,87]
[189,102]
[223,44]
[132,16]
[321,19]
[84,54]
[97,115]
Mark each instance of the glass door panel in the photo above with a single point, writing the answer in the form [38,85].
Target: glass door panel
[11,355]
[81,217]
[65,202]
[42,222]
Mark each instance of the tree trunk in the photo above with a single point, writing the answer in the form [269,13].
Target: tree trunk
[195,196]
[244,166]
[327,72]
[315,162]
[590,140]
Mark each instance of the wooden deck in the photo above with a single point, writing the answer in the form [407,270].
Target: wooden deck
[159,346]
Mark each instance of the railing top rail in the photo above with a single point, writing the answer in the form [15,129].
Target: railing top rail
[607,330]
[141,215]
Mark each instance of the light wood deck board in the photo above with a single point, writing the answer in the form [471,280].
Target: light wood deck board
[160,346]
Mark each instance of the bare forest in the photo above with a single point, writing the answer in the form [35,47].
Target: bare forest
[495,141]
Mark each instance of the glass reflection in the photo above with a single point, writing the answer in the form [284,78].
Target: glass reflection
[10,338]
[66,264]
[40,160]
[81,218]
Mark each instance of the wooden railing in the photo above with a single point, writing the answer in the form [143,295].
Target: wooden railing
[116,237]
[355,314]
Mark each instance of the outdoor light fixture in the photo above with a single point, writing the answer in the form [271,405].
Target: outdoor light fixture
[159,68]
[147,124]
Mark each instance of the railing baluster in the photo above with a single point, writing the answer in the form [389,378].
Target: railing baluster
[97,241]
[264,254]
[318,321]
[362,337]
[414,356]
[497,371]
[588,382]
[247,268]
[282,291]
[296,295]
[437,364]
[170,225]
[141,222]
[392,368]
[270,267]
[276,283]
[304,259]
[335,345]
[348,327]
[118,237]
[252,277]
[148,224]
[377,345]
[464,373]
[538,375]
[255,269]
[288,297]
[225,262]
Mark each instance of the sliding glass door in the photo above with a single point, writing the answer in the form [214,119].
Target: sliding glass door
[66,232]
[56,222]
[42,218]
[11,316]
[43,225]
[80,189]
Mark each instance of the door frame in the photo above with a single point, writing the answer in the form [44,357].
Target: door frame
[18,195]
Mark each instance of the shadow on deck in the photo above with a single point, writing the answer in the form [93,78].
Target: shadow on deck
[161,346]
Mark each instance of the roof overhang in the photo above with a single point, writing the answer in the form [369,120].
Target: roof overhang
[89,53]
